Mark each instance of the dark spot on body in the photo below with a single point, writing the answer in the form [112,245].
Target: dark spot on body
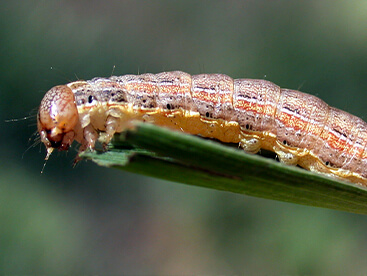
[90,99]
[120,100]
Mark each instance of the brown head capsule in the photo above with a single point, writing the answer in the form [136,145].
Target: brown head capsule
[57,118]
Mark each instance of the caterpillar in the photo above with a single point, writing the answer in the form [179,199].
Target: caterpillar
[300,128]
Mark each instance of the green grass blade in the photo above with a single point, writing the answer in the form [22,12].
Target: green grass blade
[178,157]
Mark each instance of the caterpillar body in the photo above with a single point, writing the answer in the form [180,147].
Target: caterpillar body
[300,128]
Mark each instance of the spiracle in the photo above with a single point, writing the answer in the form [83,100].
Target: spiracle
[300,128]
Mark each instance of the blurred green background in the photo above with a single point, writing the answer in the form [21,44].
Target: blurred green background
[96,220]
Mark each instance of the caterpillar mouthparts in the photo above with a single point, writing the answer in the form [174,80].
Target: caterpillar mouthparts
[300,128]
[57,118]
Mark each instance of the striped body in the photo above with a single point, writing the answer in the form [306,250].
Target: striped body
[301,128]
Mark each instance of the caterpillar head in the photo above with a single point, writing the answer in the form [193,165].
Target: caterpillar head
[57,118]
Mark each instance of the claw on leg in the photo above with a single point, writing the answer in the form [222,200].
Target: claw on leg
[89,141]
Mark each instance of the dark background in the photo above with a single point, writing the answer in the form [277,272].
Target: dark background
[96,220]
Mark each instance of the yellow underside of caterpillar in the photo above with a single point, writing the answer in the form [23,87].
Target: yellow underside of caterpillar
[225,131]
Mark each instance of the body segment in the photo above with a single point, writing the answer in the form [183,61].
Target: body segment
[301,128]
